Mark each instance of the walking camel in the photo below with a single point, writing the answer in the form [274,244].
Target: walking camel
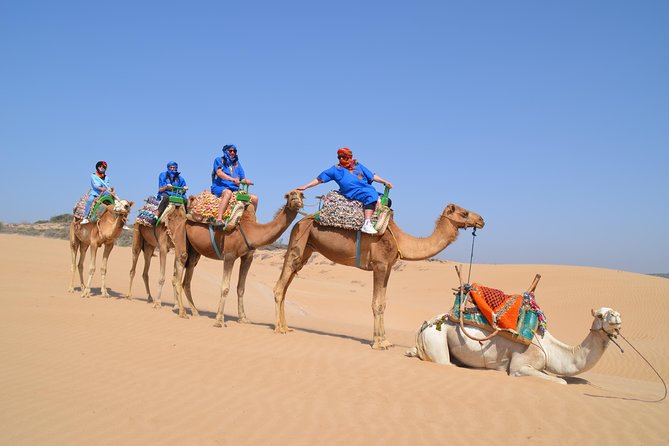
[544,354]
[377,254]
[169,234]
[95,234]
[241,243]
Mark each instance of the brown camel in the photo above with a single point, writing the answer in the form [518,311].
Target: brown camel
[241,242]
[170,233]
[95,234]
[377,254]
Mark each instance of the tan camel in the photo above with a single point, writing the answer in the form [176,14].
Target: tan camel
[545,354]
[241,243]
[377,254]
[95,234]
[169,234]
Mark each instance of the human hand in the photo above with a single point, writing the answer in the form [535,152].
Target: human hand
[236,181]
[169,186]
[389,185]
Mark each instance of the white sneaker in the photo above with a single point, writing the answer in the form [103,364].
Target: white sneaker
[368,228]
[84,221]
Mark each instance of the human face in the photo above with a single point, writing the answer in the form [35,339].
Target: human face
[173,167]
[232,151]
[343,157]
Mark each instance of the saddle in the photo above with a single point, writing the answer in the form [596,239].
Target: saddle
[203,208]
[97,208]
[148,214]
[516,316]
[341,212]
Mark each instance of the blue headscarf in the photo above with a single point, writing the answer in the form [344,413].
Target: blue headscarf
[230,160]
[173,175]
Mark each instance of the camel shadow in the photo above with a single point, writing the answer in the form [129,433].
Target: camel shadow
[575,380]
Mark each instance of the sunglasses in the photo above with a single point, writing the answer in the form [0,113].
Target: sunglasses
[342,157]
[232,150]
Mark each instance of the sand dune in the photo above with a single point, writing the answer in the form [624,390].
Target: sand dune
[113,371]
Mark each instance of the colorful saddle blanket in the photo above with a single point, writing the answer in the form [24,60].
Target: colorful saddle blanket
[203,207]
[341,212]
[148,214]
[517,316]
[80,206]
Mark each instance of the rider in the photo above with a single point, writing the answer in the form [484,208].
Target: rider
[166,181]
[99,186]
[355,183]
[226,176]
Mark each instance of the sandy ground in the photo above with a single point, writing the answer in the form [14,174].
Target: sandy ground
[119,372]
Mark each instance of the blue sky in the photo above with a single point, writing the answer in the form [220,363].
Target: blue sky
[550,119]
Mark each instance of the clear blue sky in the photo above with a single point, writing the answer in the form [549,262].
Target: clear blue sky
[550,119]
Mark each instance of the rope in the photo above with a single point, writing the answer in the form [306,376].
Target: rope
[649,365]
[213,242]
[471,256]
[241,231]
[357,249]
[396,243]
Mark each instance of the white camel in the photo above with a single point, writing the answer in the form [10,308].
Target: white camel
[544,354]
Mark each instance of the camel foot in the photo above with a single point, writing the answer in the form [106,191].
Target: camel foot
[71,289]
[183,314]
[86,293]
[128,296]
[382,344]
[243,320]
[149,300]
[220,324]
[157,305]
[282,330]
[195,312]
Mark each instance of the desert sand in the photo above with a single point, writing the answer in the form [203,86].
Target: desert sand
[119,372]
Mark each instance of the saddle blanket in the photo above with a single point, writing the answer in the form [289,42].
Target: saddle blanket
[204,207]
[148,214]
[80,206]
[340,212]
[517,316]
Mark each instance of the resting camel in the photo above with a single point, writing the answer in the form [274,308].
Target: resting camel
[545,354]
[95,234]
[170,233]
[241,242]
[377,254]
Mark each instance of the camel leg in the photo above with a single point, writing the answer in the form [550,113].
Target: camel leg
[179,262]
[91,271]
[74,247]
[161,281]
[103,268]
[379,307]
[228,263]
[80,265]
[191,261]
[136,248]
[147,251]
[521,366]
[244,267]
[294,261]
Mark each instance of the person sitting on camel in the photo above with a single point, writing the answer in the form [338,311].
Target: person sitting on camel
[226,176]
[99,186]
[166,181]
[355,183]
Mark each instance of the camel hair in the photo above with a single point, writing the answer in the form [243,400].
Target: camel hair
[544,355]
[169,234]
[95,234]
[241,243]
[377,254]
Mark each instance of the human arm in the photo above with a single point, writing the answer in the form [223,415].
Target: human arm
[311,183]
[378,179]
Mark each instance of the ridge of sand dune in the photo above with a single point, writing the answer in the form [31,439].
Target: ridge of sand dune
[112,371]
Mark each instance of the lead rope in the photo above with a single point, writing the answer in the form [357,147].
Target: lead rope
[471,256]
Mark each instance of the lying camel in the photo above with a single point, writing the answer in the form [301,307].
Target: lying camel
[544,355]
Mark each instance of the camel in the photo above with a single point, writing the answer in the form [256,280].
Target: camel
[544,354]
[170,233]
[240,242]
[377,254]
[95,234]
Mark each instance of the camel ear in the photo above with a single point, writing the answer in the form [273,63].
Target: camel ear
[450,208]
[131,203]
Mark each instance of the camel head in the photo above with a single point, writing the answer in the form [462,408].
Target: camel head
[462,218]
[122,207]
[294,200]
[606,320]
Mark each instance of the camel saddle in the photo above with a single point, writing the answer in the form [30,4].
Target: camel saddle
[148,214]
[203,208]
[517,316]
[341,212]
[97,207]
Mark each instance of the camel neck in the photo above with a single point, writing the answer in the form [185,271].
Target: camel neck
[421,248]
